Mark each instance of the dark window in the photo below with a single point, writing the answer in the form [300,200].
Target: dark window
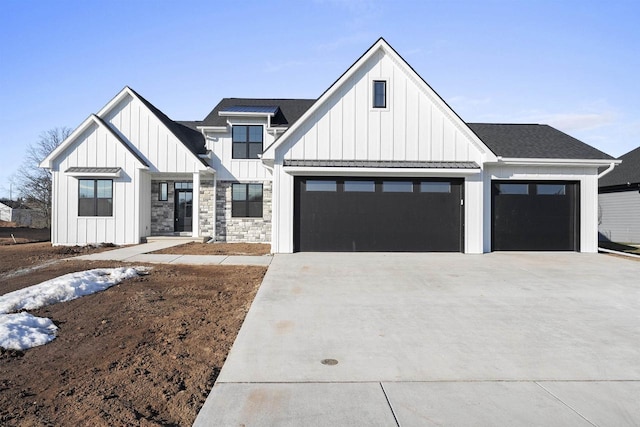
[95,197]
[550,189]
[379,94]
[435,187]
[522,189]
[163,193]
[397,186]
[183,185]
[316,185]
[246,200]
[360,186]
[247,142]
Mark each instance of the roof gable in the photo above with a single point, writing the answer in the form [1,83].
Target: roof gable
[458,135]
[628,172]
[192,139]
[534,141]
[91,120]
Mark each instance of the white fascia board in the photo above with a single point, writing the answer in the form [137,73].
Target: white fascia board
[244,114]
[350,171]
[115,100]
[212,128]
[553,162]
[47,161]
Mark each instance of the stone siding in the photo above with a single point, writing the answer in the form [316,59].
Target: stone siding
[207,208]
[249,230]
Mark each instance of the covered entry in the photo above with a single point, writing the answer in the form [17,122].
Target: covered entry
[535,215]
[378,214]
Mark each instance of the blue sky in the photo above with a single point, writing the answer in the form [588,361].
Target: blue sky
[572,64]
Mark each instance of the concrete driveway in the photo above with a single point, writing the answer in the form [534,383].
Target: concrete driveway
[436,339]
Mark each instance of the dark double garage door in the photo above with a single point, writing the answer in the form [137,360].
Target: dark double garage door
[378,214]
[427,215]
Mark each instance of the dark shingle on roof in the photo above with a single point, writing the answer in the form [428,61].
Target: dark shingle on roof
[290,110]
[14,204]
[381,164]
[191,138]
[533,141]
[626,172]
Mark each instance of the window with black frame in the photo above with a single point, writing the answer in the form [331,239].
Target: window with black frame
[379,94]
[247,141]
[95,197]
[246,200]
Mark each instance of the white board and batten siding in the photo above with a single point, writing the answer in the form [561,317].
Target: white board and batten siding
[415,126]
[96,147]
[158,145]
[229,169]
[618,216]
[587,177]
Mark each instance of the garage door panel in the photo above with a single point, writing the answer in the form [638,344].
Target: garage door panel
[532,215]
[378,221]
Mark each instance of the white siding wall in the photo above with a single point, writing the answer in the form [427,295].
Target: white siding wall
[95,147]
[619,218]
[230,169]
[144,190]
[415,126]
[587,176]
[162,150]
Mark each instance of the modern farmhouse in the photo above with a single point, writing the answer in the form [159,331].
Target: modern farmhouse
[379,162]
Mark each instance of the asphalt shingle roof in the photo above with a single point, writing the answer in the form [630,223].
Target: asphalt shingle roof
[290,110]
[626,172]
[14,204]
[506,140]
[534,141]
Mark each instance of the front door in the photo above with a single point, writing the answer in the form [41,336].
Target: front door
[183,209]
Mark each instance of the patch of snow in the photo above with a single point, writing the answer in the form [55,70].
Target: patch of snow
[64,288]
[20,331]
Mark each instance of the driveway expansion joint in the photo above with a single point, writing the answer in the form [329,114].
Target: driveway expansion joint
[565,403]
[390,405]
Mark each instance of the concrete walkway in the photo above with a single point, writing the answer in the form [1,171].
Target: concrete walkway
[140,253]
[517,339]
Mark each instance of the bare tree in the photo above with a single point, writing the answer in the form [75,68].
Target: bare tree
[33,182]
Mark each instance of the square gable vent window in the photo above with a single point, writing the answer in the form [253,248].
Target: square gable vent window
[379,94]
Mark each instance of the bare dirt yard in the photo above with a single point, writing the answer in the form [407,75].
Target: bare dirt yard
[10,233]
[17,258]
[144,352]
[194,248]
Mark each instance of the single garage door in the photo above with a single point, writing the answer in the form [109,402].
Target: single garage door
[378,214]
[535,216]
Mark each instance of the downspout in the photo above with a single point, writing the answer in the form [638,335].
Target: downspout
[607,170]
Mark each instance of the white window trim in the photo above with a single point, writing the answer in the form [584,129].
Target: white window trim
[387,81]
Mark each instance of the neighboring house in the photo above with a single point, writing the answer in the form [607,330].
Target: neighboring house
[619,201]
[379,162]
[21,214]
